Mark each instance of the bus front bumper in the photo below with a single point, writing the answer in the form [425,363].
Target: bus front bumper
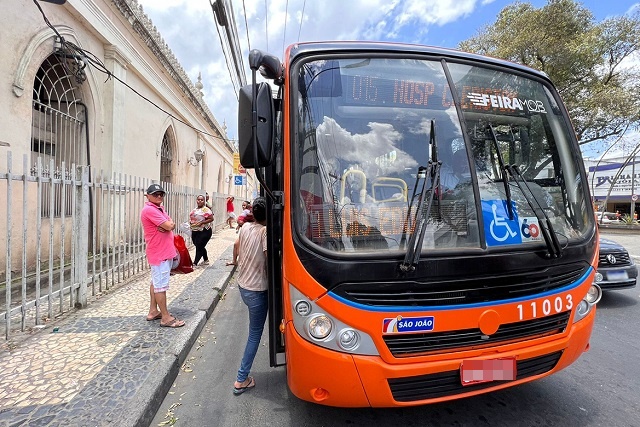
[327,377]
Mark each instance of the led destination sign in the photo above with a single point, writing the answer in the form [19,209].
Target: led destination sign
[376,91]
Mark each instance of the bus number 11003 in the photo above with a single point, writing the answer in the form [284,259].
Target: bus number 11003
[546,307]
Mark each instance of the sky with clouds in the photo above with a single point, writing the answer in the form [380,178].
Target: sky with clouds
[190,29]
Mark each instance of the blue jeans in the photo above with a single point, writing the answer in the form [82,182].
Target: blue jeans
[258,303]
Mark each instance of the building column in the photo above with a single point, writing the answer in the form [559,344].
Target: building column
[115,123]
[114,112]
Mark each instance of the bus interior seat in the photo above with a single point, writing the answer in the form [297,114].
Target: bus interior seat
[353,186]
[388,189]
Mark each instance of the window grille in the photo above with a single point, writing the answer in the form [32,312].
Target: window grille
[57,130]
[165,158]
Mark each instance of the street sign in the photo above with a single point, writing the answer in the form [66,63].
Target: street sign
[236,162]
[634,197]
[238,180]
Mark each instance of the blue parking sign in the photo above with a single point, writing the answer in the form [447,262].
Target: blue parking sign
[237,179]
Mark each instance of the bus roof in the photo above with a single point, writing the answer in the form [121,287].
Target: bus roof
[370,46]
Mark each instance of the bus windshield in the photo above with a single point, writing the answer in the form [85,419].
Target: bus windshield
[366,126]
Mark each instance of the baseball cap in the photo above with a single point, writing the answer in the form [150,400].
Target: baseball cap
[155,188]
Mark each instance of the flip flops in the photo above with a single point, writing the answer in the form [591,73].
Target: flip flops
[175,323]
[156,317]
[239,390]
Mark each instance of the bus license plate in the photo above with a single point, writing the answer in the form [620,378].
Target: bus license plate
[481,371]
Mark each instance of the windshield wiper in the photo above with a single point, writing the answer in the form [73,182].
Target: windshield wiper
[503,172]
[554,250]
[546,228]
[422,174]
[421,217]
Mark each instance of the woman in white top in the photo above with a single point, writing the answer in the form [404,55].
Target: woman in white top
[201,220]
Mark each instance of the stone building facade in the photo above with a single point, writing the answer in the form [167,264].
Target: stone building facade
[91,86]
[61,107]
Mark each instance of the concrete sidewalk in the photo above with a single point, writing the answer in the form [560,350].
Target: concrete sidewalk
[106,365]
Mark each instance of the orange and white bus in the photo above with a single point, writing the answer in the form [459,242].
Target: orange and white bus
[430,230]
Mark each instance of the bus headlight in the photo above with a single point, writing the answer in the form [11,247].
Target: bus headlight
[583,309]
[320,327]
[303,308]
[315,325]
[348,339]
[587,303]
[593,294]
[599,277]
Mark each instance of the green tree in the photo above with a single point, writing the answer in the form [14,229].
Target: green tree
[589,62]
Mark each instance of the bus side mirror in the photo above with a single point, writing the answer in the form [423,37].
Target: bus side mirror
[264,129]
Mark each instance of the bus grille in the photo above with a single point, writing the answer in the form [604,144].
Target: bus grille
[449,383]
[460,290]
[406,345]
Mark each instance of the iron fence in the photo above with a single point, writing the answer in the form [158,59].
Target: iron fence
[55,258]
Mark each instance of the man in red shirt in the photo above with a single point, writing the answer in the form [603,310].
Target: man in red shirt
[230,214]
[161,250]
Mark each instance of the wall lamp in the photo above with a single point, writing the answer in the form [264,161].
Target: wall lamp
[196,158]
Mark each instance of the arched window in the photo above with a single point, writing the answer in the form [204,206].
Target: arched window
[58,116]
[58,125]
[166,157]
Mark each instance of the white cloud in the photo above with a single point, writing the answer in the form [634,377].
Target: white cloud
[190,29]
[439,13]
[381,139]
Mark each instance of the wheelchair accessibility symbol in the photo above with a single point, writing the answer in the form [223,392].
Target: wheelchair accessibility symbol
[498,228]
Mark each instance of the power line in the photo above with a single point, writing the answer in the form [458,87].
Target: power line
[266,27]
[225,17]
[77,52]
[225,48]
[246,26]
[284,34]
[231,30]
[301,19]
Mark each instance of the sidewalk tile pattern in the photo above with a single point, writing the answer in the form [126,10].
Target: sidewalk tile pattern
[83,369]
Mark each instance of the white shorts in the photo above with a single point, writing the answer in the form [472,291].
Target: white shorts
[160,276]
[231,215]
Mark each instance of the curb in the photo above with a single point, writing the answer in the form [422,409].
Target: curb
[149,398]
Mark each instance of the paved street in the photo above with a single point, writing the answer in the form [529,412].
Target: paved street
[600,389]
[105,365]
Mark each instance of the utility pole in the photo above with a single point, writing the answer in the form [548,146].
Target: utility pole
[633,188]
[223,12]
[622,168]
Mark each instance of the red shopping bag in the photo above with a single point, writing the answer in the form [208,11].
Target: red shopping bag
[182,262]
